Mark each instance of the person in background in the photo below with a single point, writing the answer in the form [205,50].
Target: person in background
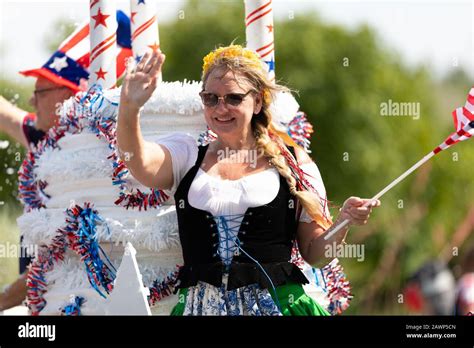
[431,290]
[53,86]
[61,77]
[465,286]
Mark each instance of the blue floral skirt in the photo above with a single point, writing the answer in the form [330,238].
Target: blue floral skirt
[206,299]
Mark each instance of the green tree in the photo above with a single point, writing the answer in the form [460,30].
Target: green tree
[344,78]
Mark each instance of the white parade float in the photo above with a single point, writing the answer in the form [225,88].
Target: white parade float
[85,209]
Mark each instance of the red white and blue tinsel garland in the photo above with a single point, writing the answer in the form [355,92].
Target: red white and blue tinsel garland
[43,263]
[300,130]
[78,234]
[30,189]
[82,238]
[302,183]
[338,287]
[103,124]
[163,288]
[331,279]
[206,137]
[74,307]
[91,111]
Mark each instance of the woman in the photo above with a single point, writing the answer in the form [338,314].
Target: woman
[237,217]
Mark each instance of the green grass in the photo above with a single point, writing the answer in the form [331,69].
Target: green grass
[9,235]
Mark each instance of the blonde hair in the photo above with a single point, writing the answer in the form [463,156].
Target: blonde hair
[247,63]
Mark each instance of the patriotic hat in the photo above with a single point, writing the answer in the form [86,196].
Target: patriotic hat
[68,65]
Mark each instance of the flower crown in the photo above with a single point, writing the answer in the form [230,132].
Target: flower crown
[230,52]
[253,59]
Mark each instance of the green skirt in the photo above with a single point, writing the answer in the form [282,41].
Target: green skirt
[291,298]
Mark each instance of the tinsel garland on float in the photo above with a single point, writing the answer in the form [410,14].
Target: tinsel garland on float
[74,307]
[43,263]
[338,287]
[163,288]
[79,235]
[300,130]
[103,124]
[30,190]
[331,279]
[94,112]
[80,231]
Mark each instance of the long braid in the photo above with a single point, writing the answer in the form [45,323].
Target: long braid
[270,149]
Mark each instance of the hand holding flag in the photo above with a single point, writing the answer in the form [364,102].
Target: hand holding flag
[463,122]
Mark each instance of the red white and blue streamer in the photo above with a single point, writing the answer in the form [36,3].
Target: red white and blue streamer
[334,282]
[83,114]
[337,286]
[300,130]
[80,235]
[160,289]
[73,309]
[43,263]
[103,124]
[30,189]
[82,238]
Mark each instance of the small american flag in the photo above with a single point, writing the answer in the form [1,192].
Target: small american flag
[70,63]
[463,122]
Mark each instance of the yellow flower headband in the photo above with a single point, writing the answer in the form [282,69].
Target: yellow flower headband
[235,51]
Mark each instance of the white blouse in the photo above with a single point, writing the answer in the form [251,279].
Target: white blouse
[229,197]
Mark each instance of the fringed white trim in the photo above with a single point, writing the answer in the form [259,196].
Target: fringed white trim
[38,227]
[175,97]
[79,164]
[155,230]
[71,273]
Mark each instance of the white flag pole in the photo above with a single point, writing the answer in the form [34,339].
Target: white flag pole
[467,129]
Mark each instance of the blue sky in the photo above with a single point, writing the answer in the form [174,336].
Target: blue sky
[436,33]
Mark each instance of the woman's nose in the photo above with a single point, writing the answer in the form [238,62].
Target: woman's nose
[221,106]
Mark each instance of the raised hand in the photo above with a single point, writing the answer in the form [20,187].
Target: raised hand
[139,83]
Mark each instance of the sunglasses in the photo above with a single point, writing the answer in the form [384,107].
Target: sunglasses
[232,99]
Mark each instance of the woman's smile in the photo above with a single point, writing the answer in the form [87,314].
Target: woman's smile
[224,120]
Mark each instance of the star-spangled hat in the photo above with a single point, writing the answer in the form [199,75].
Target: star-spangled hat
[68,65]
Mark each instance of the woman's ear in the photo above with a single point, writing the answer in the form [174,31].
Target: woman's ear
[257,104]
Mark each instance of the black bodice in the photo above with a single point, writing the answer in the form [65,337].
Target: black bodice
[266,234]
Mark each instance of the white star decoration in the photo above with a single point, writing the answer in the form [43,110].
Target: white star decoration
[58,64]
